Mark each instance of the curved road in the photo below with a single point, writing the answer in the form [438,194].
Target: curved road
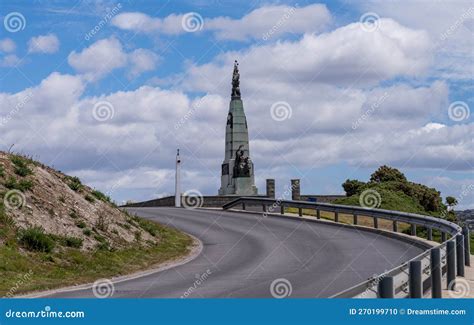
[244,253]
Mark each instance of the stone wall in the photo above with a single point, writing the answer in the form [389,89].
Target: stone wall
[211,201]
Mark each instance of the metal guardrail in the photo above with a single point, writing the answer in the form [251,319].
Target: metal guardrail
[410,279]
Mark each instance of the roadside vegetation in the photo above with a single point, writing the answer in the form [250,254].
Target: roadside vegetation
[95,240]
[393,192]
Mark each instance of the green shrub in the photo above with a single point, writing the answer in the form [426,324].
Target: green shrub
[89,198]
[87,232]
[81,224]
[35,239]
[74,183]
[23,185]
[2,171]
[100,196]
[73,242]
[21,165]
[73,214]
[102,223]
[352,186]
[387,174]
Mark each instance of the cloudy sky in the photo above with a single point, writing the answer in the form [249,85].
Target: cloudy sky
[107,90]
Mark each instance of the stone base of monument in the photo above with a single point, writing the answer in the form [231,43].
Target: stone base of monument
[242,186]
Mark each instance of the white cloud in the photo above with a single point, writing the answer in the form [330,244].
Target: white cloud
[347,56]
[9,60]
[43,44]
[262,23]
[142,60]
[7,45]
[449,23]
[106,55]
[99,59]
[271,22]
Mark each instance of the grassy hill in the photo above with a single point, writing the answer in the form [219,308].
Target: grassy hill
[56,231]
[395,192]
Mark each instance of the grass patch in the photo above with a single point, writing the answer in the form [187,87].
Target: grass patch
[21,165]
[71,266]
[100,196]
[34,239]
[22,185]
[2,171]
[80,224]
[74,183]
[89,198]
[87,232]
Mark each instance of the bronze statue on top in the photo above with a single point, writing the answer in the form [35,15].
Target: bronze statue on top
[236,82]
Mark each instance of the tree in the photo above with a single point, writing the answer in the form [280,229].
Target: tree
[451,201]
[352,186]
[387,174]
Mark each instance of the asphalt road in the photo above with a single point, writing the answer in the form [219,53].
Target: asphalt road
[244,253]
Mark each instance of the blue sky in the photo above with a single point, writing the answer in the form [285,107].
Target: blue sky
[363,84]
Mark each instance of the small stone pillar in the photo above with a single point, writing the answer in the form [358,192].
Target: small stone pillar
[295,190]
[271,188]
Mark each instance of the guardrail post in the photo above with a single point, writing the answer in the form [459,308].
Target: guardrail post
[355,219]
[300,212]
[243,205]
[413,229]
[376,222]
[467,244]
[415,283]
[435,261]
[336,217]
[395,226]
[451,265]
[282,209]
[443,237]
[460,254]
[318,214]
[385,287]
[430,233]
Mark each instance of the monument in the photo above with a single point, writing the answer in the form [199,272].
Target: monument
[237,177]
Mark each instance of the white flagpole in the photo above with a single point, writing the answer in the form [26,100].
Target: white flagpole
[177,192]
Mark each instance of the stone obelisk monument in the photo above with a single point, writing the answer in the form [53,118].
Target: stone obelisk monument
[237,177]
